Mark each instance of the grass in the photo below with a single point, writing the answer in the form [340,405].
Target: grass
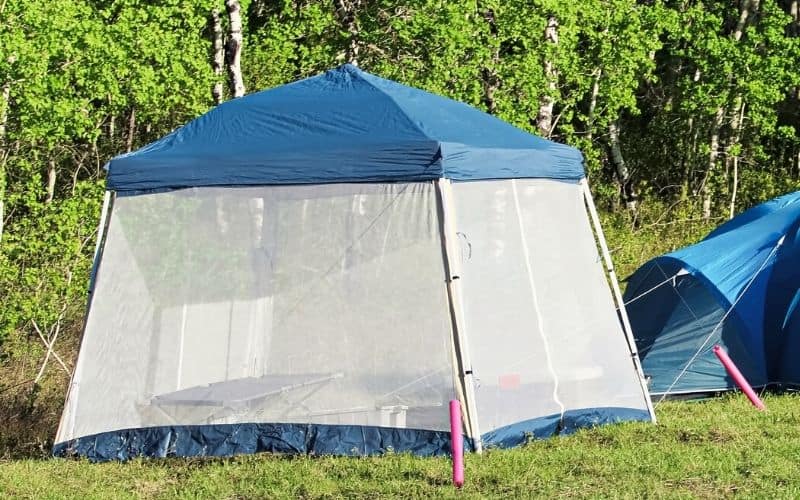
[715,448]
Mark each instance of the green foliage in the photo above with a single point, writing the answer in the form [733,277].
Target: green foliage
[89,79]
[701,69]
[50,251]
[288,41]
[657,228]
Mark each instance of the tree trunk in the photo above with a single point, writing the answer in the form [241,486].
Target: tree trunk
[233,48]
[346,14]
[735,187]
[544,120]
[219,55]
[491,81]
[746,10]
[691,157]
[78,167]
[598,73]
[628,193]
[51,181]
[705,190]
[131,130]
[731,156]
[688,168]
[5,99]
[745,13]
[794,11]
[797,160]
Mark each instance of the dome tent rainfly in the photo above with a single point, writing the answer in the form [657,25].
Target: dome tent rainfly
[738,287]
[320,267]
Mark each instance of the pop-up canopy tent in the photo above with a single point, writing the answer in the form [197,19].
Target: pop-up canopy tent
[739,287]
[322,266]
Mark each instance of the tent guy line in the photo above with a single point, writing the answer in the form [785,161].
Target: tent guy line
[652,289]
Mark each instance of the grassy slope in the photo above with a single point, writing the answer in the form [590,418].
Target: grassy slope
[714,448]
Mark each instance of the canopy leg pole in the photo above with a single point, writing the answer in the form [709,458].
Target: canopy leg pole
[101,227]
[612,275]
[449,238]
[72,389]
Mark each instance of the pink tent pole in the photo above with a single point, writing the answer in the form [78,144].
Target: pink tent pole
[457,443]
[737,377]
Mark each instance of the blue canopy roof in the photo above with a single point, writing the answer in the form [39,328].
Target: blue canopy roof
[748,268]
[344,125]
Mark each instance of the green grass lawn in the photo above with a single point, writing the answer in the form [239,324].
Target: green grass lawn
[718,447]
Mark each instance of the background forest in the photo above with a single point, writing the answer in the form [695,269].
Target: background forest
[687,111]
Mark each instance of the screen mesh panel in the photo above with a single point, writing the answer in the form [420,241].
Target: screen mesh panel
[542,328]
[306,304]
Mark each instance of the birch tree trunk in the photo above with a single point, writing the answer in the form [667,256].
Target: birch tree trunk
[544,120]
[5,99]
[346,14]
[598,73]
[689,161]
[219,55]
[628,193]
[233,48]
[745,13]
[746,10]
[705,189]
[51,181]
[732,155]
[748,7]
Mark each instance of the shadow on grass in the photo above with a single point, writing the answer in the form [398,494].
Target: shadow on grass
[29,416]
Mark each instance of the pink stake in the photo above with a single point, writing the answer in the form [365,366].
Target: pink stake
[457,443]
[737,377]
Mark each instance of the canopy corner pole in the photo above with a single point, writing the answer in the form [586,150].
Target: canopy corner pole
[101,228]
[449,237]
[612,275]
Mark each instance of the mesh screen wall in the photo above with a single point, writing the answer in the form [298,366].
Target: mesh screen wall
[327,304]
[542,328]
[311,304]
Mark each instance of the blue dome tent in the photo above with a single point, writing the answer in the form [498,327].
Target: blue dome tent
[321,267]
[738,287]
